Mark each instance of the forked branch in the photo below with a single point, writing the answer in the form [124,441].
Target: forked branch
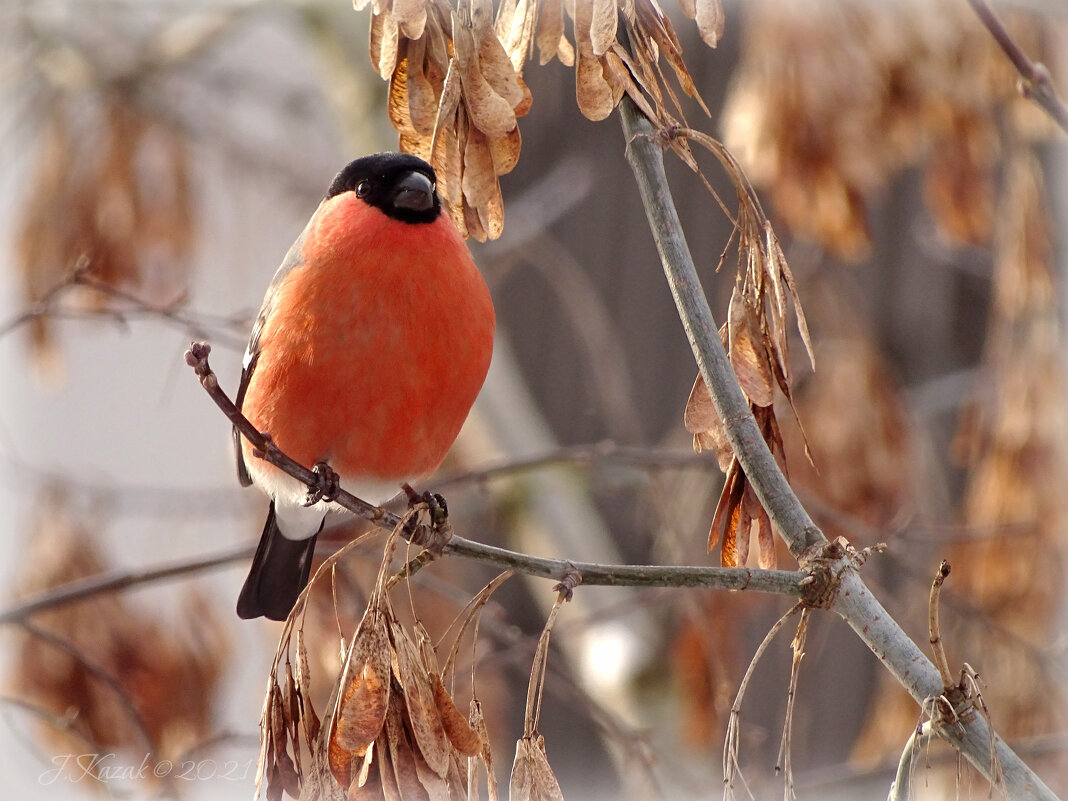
[852,599]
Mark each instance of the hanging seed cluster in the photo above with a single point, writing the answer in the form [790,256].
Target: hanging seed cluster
[456,89]
[755,338]
[392,729]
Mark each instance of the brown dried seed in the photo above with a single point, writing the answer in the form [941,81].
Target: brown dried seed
[604,16]
[365,785]
[710,21]
[748,356]
[488,111]
[725,520]
[496,67]
[384,44]
[397,106]
[550,30]
[361,709]
[410,16]
[505,151]
[422,93]
[702,420]
[460,733]
[532,778]
[479,178]
[402,759]
[767,556]
[426,723]
[516,31]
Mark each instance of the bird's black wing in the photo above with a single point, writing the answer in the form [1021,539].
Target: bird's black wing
[252,353]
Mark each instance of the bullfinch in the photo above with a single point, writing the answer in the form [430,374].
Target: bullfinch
[372,342]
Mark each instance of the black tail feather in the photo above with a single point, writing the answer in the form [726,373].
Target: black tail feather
[279,572]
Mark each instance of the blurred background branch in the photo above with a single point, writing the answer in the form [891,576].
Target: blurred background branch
[1036,81]
[918,199]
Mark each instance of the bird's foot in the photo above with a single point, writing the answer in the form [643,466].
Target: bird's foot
[435,535]
[326,486]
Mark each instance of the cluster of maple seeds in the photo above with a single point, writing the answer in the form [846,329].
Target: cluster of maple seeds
[393,712]
[393,729]
[66,657]
[832,100]
[456,86]
[755,338]
[119,200]
[456,93]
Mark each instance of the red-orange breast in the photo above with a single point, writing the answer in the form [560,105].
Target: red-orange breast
[373,341]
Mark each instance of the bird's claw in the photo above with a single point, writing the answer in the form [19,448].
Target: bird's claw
[435,535]
[326,486]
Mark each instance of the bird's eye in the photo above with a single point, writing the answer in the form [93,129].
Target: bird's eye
[362,188]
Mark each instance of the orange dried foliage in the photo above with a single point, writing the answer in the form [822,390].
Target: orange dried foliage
[456,87]
[703,662]
[755,338]
[167,674]
[1011,572]
[392,728]
[1014,448]
[118,199]
[831,100]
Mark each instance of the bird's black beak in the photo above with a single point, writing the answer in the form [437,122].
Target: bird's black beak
[415,192]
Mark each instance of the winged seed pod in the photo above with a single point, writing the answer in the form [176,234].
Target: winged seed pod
[97,205]
[823,124]
[394,731]
[532,778]
[456,87]
[755,338]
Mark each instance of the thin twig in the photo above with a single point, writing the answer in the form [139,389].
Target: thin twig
[731,767]
[779,582]
[901,788]
[785,761]
[585,454]
[775,581]
[1035,81]
[65,723]
[937,649]
[80,276]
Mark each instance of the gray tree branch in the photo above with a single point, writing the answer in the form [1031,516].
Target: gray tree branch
[852,600]
[774,581]
[1035,80]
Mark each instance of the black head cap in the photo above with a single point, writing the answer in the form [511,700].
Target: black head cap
[401,185]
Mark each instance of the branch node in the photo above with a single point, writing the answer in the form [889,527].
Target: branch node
[268,449]
[566,586]
[824,563]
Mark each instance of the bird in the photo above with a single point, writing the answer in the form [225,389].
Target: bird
[372,343]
